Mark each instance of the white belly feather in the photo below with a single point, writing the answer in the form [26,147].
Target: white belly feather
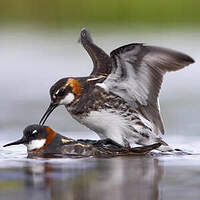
[111,124]
[106,124]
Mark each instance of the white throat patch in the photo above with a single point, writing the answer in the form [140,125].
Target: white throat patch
[68,99]
[35,144]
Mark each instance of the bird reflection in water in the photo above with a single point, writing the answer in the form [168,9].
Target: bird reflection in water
[115,178]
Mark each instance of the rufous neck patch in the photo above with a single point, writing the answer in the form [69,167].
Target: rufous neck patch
[75,85]
[50,137]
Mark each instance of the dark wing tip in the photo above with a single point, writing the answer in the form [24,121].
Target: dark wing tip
[85,36]
[177,55]
[189,59]
[184,58]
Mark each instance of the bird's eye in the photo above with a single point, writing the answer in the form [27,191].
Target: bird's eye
[60,93]
[34,132]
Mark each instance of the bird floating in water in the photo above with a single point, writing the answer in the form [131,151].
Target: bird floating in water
[42,140]
[119,99]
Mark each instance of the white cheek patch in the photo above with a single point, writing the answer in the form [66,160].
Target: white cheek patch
[68,99]
[36,144]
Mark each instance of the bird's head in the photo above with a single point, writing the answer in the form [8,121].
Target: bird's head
[35,137]
[63,92]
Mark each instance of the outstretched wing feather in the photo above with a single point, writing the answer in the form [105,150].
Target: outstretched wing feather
[137,74]
[101,61]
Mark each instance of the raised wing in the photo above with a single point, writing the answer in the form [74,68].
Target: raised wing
[101,61]
[137,74]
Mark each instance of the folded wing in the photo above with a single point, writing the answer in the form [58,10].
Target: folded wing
[137,74]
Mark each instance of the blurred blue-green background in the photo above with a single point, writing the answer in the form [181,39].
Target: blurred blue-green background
[63,13]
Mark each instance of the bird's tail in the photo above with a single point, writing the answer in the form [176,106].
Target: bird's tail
[165,147]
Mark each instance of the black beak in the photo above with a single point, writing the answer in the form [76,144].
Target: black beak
[47,113]
[21,141]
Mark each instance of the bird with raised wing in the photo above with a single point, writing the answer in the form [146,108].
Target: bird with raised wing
[119,100]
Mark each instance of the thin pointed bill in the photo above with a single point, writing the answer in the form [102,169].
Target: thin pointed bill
[47,113]
[21,141]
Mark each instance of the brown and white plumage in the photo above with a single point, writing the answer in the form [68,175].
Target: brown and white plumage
[121,92]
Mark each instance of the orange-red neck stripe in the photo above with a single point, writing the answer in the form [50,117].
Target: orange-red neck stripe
[75,85]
